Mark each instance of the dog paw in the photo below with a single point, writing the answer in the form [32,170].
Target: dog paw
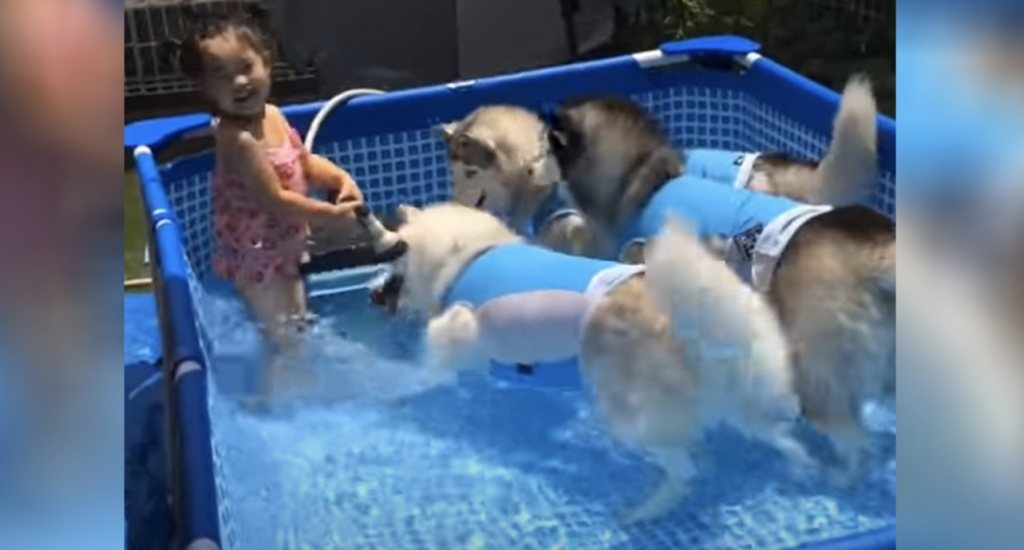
[642,513]
[659,503]
[845,477]
[631,516]
[804,471]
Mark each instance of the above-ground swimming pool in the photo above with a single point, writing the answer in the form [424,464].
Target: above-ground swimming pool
[369,449]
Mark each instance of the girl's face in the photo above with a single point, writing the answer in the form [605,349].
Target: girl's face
[236,76]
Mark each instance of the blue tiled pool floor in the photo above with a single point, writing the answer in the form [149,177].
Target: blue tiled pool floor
[481,466]
[478,465]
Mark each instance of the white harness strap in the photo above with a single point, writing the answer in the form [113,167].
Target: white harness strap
[745,170]
[604,282]
[774,240]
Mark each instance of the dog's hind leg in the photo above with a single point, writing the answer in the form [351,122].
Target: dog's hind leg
[798,460]
[853,445]
[679,469]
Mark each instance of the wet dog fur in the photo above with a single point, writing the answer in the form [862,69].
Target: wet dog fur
[833,290]
[667,354]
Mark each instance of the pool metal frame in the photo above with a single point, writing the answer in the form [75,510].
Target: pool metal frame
[193,481]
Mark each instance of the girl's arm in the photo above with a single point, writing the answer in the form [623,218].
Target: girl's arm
[253,167]
[326,175]
[320,172]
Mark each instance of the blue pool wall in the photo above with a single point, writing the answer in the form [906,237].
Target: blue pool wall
[388,144]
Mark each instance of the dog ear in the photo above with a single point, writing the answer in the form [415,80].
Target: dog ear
[557,139]
[407,212]
[464,147]
[446,131]
[474,151]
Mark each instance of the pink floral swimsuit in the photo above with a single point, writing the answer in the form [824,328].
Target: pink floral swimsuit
[252,244]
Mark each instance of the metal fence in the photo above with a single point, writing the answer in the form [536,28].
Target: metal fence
[149,23]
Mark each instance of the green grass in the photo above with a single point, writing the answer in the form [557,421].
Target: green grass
[135,233]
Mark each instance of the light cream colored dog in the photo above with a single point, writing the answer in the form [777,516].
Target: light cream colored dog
[500,162]
[668,350]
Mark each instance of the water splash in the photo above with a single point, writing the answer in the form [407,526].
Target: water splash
[335,364]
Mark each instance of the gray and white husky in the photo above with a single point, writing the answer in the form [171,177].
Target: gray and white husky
[500,160]
[669,349]
[828,271]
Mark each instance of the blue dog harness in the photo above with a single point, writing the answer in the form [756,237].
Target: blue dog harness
[552,208]
[732,168]
[531,304]
[758,225]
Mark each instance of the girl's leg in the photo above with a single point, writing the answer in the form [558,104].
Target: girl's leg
[275,304]
[294,291]
[288,369]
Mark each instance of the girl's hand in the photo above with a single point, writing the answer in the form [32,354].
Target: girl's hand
[325,174]
[346,208]
[342,182]
[349,194]
[339,232]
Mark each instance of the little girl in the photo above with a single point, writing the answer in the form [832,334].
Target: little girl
[261,213]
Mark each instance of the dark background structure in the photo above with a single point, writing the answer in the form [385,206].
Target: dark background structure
[325,46]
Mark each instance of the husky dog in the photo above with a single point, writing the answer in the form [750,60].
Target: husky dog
[844,176]
[668,349]
[828,271]
[500,162]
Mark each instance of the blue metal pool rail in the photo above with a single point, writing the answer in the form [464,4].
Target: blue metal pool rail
[192,472]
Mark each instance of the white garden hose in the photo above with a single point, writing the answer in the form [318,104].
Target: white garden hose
[314,129]
[328,108]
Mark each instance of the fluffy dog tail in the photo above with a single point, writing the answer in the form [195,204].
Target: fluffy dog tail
[736,339]
[886,279]
[847,173]
[885,283]
[454,339]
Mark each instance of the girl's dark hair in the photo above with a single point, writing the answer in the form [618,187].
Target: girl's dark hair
[186,54]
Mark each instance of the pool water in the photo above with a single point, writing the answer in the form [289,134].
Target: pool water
[382,454]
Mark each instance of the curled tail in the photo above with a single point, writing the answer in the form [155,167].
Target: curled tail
[454,339]
[735,333]
[847,173]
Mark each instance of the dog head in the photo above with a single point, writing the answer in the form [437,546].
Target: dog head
[500,160]
[441,240]
[600,143]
